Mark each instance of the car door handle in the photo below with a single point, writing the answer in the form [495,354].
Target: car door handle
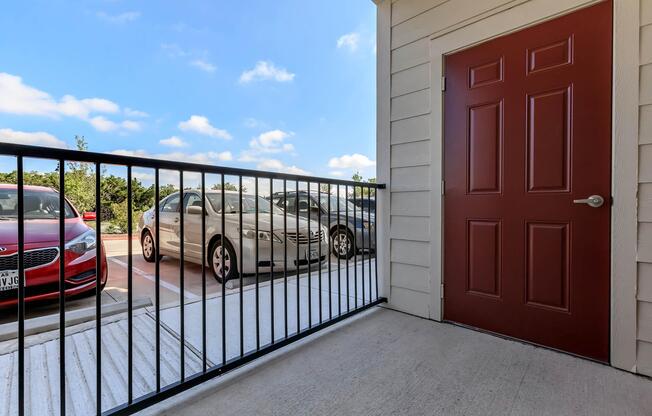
[594,201]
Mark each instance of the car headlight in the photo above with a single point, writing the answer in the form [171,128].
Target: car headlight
[83,243]
[262,235]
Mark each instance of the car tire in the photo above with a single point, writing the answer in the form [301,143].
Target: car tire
[343,243]
[214,260]
[147,244]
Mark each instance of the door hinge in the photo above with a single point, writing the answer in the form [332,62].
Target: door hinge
[443,83]
[441,291]
[443,188]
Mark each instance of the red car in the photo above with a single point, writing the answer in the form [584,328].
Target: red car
[41,207]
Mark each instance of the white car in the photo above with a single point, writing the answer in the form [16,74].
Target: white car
[231,265]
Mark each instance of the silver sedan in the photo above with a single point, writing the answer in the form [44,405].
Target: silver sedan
[229,266]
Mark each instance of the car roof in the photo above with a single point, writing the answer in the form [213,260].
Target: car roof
[27,187]
[213,191]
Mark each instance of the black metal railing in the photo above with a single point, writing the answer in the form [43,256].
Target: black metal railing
[309,268]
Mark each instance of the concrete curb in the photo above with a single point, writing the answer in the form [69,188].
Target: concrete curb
[47,323]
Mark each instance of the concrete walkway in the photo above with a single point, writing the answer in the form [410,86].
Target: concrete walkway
[389,363]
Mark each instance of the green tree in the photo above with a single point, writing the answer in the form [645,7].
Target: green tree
[361,191]
[80,180]
[227,186]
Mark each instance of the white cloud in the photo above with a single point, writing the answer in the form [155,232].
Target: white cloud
[337,173]
[278,166]
[72,107]
[130,112]
[349,41]
[206,157]
[37,138]
[355,161]
[18,98]
[131,125]
[201,125]
[264,71]
[173,141]
[118,18]
[103,124]
[253,123]
[173,50]
[266,143]
[203,65]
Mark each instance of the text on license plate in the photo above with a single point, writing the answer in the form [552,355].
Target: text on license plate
[8,279]
[314,254]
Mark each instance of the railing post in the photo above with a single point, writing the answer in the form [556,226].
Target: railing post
[62,288]
[98,286]
[21,286]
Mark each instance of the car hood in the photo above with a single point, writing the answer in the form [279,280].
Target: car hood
[264,221]
[40,231]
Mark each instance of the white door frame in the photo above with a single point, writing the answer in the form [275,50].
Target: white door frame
[624,149]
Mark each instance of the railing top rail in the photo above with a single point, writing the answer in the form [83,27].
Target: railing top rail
[39,152]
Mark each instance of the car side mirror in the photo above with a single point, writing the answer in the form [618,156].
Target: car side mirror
[194,210]
[89,216]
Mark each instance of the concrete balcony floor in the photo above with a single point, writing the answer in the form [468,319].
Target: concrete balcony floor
[385,362]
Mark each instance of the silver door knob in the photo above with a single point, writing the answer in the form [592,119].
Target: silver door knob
[594,201]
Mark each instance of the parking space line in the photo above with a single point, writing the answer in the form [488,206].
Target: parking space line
[168,286]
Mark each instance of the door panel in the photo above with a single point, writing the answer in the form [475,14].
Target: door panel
[168,223]
[527,130]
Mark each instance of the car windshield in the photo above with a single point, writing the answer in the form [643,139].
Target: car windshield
[248,204]
[37,205]
[333,200]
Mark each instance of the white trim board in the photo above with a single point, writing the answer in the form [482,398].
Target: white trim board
[624,155]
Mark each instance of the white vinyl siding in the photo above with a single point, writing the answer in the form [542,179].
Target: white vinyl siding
[644,290]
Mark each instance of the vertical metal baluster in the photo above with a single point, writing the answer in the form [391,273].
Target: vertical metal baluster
[271,254]
[223,241]
[182,335]
[362,238]
[130,291]
[257,277]
[98,286]
[330,253]
[21,287]
[348,284]
[241,258]
[62,288]
[369,236]
[376,238]
[285,254]
[296,209]
[339,267]
[319,246]
[355,251]
[203,271]
[309,200]
[157,280]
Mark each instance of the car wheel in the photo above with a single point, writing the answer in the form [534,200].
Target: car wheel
[220,267]
[343,244]
[149,251]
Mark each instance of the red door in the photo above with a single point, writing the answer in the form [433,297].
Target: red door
[527,131]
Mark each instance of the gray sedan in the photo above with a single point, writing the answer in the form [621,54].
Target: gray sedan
[351,229]
[229,266]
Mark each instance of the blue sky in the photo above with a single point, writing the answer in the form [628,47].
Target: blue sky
[275,85]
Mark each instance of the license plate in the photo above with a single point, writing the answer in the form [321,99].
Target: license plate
[314,254]
[8,279]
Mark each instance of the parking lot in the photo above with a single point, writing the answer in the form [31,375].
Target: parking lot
[144,282]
